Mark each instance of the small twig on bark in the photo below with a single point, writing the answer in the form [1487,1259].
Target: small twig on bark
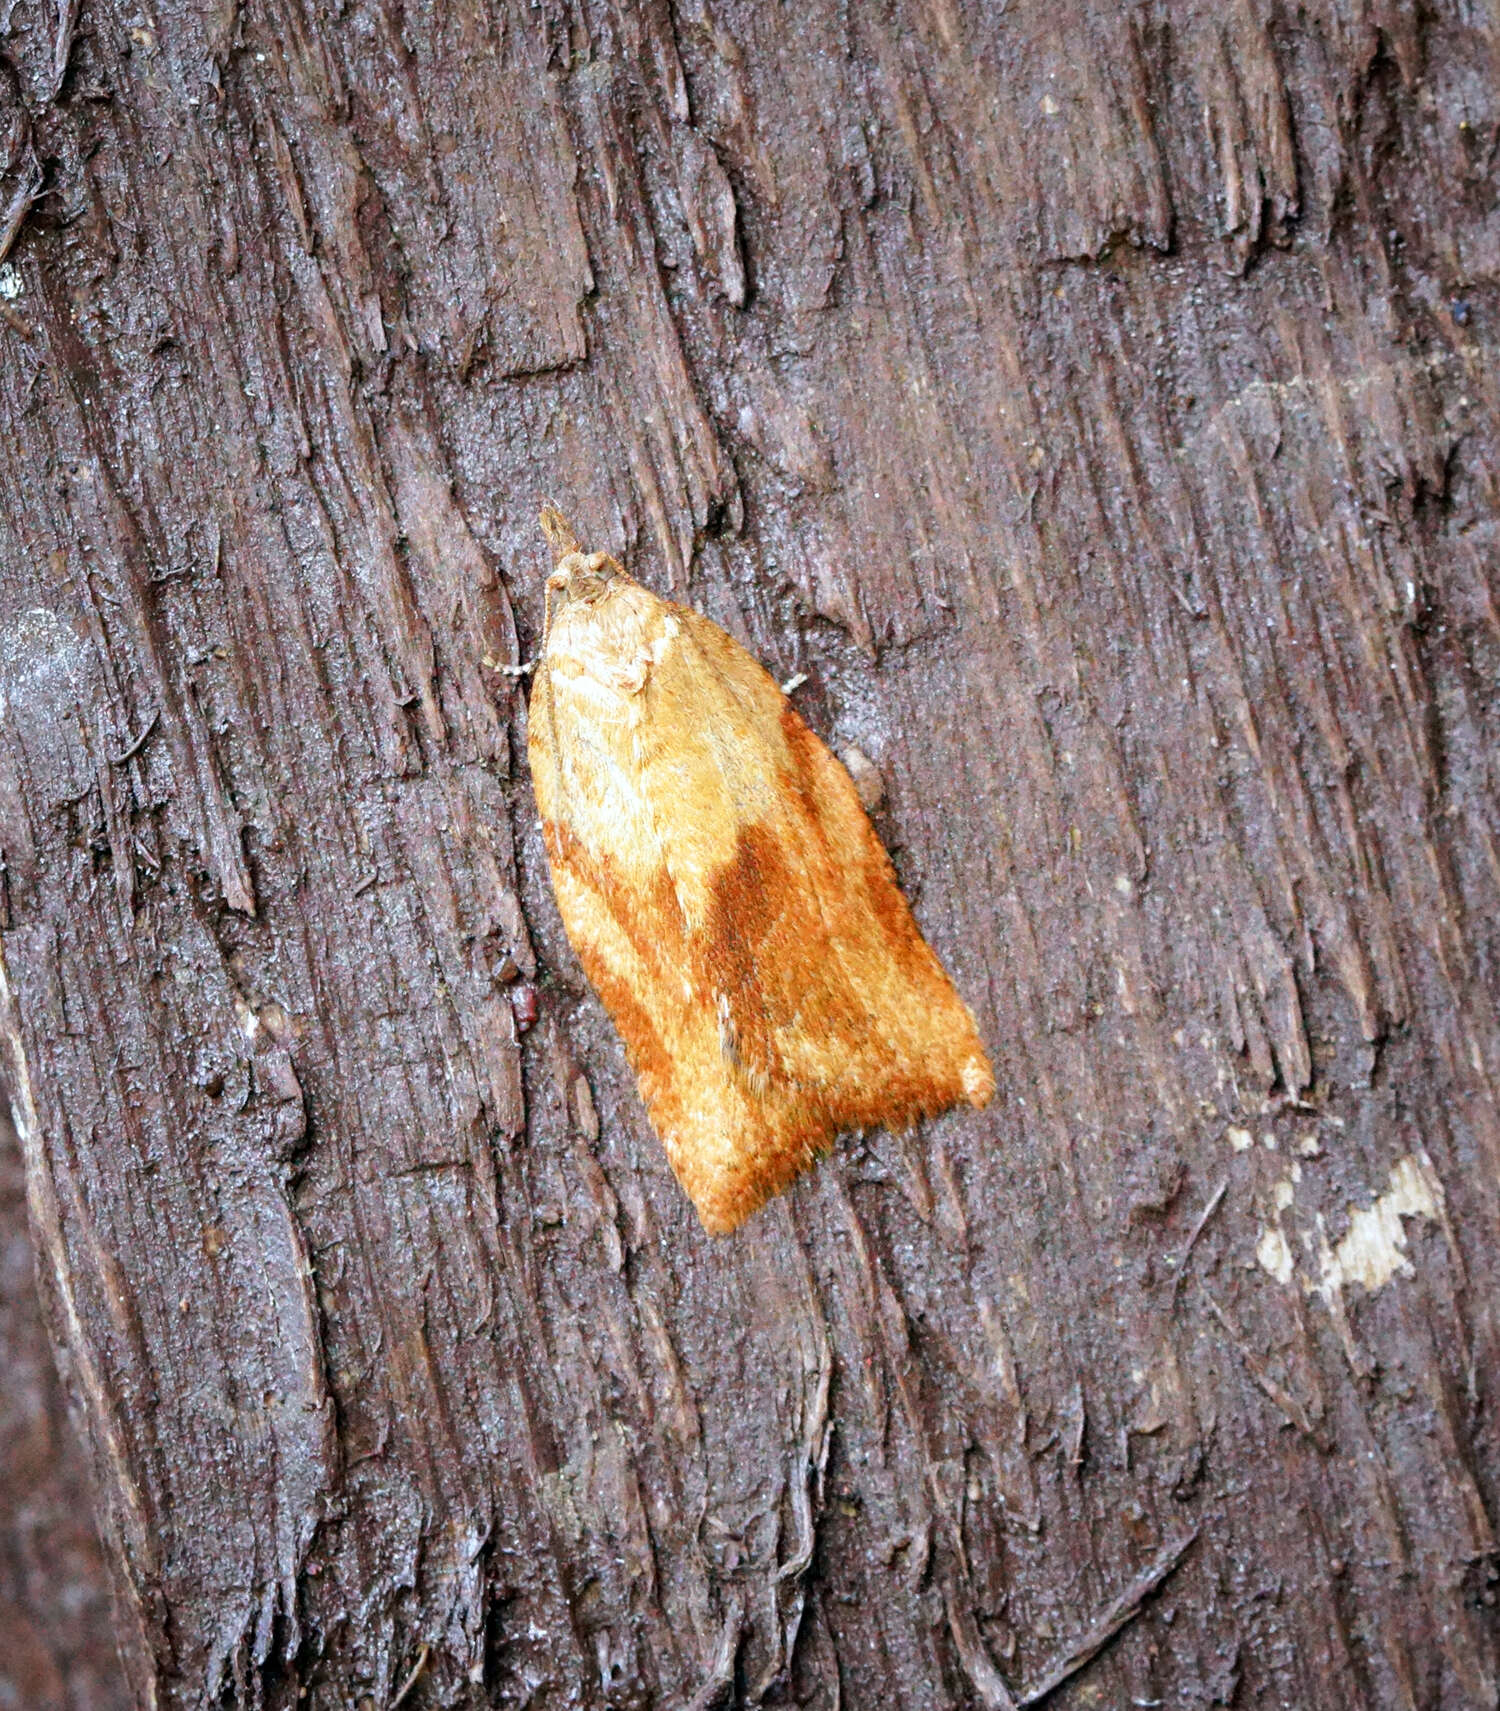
[412,1679]
[720,1682]
[62,44]
[25,193]
[1278,1393]
[986,1680]
[1126,1607]
[1198,1228]
[139,743]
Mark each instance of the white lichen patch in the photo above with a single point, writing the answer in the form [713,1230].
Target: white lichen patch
[1274,1254]
[1239,1139]
[11,283]
[248,1020]
[1373,1251]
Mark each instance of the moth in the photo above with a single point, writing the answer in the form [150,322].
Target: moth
[727,896]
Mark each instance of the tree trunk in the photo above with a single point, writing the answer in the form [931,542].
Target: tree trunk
[1098,405]
[57,1653]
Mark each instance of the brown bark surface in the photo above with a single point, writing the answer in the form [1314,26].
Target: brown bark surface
[57,1652]
[1098,404]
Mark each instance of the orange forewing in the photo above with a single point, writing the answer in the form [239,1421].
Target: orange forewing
[729,899]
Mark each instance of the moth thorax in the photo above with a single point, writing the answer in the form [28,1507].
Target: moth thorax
[582,576]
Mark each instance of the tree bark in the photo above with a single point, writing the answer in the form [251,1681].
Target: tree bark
[1098,405]
[58,1652]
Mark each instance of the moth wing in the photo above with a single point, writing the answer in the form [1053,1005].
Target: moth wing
[822,984]
[733,908]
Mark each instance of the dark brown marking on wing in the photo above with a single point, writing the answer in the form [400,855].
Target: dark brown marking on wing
[647,926]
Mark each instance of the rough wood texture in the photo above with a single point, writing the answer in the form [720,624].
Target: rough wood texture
[1098,403]
[57,1652]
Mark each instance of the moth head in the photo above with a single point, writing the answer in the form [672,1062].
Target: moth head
[578,575]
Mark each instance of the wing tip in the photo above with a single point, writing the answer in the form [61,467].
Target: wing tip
[725,1194]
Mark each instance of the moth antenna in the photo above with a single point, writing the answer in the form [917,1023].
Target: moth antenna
[559,533]
[556,580]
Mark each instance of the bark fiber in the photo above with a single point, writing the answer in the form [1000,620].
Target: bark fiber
[1098,404]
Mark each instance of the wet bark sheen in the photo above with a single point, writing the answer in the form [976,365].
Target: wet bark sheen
[1098,404]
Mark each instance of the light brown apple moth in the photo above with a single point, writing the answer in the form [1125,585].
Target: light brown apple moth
[727,896]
